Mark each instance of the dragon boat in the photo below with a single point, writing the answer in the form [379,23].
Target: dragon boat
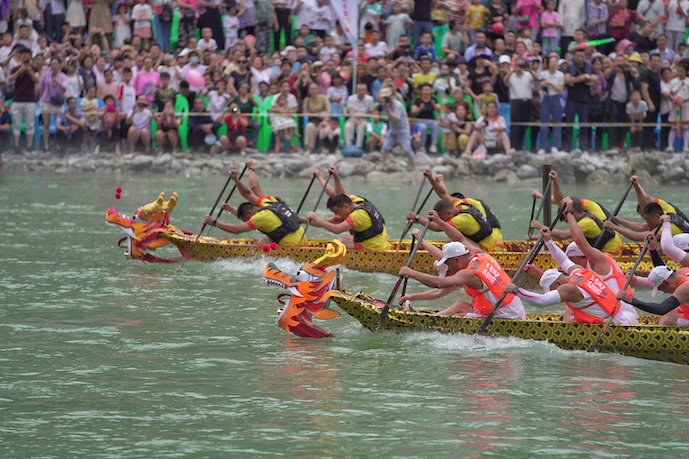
[646,340]
[208,248]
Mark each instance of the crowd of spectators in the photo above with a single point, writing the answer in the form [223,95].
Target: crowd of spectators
[461,77]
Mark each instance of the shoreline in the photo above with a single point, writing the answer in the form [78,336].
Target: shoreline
[580,167]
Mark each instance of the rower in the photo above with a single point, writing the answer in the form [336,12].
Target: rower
[461,202]
[338,187]
[480,276]
[362,220]
[675,247]
[589,300]
[263,212]
[675,308]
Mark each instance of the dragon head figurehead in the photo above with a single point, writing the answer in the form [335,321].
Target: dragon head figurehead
[143,227]
[309,291]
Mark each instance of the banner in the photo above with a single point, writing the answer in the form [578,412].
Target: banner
[347,12]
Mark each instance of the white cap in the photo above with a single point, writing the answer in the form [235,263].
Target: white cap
[548,278]
[681,241]
[287,49]
[504,59]
[657,276]
[573,250]
[452,250]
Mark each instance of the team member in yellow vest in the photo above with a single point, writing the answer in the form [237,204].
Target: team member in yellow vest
[337,187]
[262,212]
[461,202]
[675,308]
[480,276]
[363,221]
[589,206]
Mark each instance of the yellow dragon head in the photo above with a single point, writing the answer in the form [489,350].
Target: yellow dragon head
[309,291]
[143,227]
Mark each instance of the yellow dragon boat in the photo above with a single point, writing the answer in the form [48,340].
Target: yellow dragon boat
[647,340]
[208,248]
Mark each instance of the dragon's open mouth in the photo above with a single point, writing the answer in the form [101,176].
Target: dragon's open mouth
[272,275]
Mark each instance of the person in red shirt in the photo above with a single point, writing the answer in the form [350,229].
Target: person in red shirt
[235,139]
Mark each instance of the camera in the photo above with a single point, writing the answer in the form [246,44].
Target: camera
[141,105]
[235,110]
[387,100]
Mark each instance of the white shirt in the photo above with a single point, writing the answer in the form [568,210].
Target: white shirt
[147,15]
[521,87]
[572,15]
[557,78]
[210,44]
[321,18]
[360,107]
[380,49]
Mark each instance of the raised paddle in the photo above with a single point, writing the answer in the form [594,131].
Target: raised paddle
[406,279]
[614,212]
[533,211]
[413,206]
[315,208]
[301,204]
[626,284]
[546,197]
[391,298]
[229,196]
[418,211]
[517,275]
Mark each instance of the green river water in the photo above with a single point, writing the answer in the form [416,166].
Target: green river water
[107,357]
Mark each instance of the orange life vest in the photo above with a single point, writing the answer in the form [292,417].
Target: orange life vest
[600,293]
[616,272]
[684,308]
[495,279]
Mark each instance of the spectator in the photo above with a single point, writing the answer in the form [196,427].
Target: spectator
[650,90]
[520,80]
[636,110]
[398,127]
[377,130]
[666,108]
[52,86]
[397,24]
[463,127]
[679,88]
[139,122]
[444,85]
[599,98]
[490,131]
[447,122]
[596,19]
[200,124]
[620,87]
[620,20]
[528,12]
[425,76]
[321,19]
[424,110]
[23,109]
[54,12]
[552,86]
[474,20]
[317,107]
[578,80]
[551,24]
[479,43]
[108,130]
[89,107]
[329,134]
[376,48]
[69,125]
[236,139]
[337,94]
[676,22]
[652,11]
[358,105]
[281,120]
[644,38]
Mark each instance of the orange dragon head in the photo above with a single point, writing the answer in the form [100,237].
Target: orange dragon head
[309,291]
[143,227]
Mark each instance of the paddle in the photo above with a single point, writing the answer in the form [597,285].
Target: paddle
[615,212]
[626,284]
[301,204]
[546,197]
[406,279]
[391,298]
[418,211]
[517,275]
[533,210]
[229,196]
[315,208]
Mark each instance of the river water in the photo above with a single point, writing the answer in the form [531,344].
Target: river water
[107,357]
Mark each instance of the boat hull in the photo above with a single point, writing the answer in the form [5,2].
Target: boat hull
[209,248]
[646,340]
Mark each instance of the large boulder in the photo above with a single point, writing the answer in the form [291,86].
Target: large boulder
[598,177]
[141,162]
[526,171]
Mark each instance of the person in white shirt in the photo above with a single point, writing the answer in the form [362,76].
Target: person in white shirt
[676,22]
[207,41]
[170,66]
[520,81]
[376,48]
[359,105]
[551,83]
[321,18]
[230,26]
[328,50]
[491,128]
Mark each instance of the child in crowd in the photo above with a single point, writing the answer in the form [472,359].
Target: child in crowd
[337,94]
[108,127]
[550,25]
[75,83]
[329,133]
[475,19]
[123,30]
[230,26]
[463,126]
[485,97]
[165,93]
[377,131]
[637,110]
[110,87]
[207,41]
[426,47]
[282,123]
[127,100]
[89,107]
[447,122]
[142,13]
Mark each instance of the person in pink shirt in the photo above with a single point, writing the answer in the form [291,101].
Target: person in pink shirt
[550,23]
[528,12]
[147,80]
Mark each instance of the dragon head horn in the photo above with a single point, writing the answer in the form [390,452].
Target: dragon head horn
[169,205]
[334,254]
[160,205]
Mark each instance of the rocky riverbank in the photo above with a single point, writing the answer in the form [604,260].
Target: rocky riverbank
[582,167]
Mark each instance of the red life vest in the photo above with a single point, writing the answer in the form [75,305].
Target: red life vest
[616,272]
[601,294]
[495,279]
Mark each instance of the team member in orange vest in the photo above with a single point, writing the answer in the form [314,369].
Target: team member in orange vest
[675,308]
[480,276]
[675,247]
